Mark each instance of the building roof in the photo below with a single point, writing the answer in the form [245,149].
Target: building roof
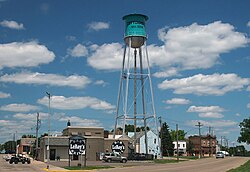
[78,127]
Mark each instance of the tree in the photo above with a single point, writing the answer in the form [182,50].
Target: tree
[166,141]
[1,147]
[240,150]
[245,131]
[10,146]
[130,128]
[181,135]
[190,148]
[28,136]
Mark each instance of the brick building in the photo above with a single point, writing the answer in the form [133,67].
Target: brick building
[208,144]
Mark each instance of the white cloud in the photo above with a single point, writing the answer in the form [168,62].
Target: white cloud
[167,73]
[12,25]
[78,51]
[248,24]
[207,111]
[48,79]
[178,101]
[4,95]
[106,56]
[184,48]
[69,103]
[20,124]
[197,46]
[98,26]
[30,117]
[215,84]
[248,105]
[101,82]
[204,109]
[29,54]
[237,114]
[211,115]
[214,123]
[19,107]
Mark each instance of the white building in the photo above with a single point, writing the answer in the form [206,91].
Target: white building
[182,146]
[153,142]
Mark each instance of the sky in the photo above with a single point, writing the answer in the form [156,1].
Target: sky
[198,51]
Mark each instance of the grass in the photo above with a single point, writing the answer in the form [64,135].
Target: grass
[87,168]
[243,168]
[189,157]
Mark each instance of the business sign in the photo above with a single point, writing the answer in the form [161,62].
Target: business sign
[77,145]
[118,146]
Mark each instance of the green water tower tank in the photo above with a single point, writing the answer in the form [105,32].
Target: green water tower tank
[135,29]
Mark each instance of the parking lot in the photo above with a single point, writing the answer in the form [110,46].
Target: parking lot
[37,166]
[34,166]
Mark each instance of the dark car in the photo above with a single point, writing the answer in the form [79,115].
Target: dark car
[114,157]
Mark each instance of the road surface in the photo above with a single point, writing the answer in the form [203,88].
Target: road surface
[204,165]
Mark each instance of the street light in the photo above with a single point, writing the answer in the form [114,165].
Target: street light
[48,152]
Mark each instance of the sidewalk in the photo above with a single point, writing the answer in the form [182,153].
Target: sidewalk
[43,167]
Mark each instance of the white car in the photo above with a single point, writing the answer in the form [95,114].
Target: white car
[220,155]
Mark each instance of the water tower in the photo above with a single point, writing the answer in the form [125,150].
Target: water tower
[135,102]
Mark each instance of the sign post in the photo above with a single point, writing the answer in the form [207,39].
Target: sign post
[77,146]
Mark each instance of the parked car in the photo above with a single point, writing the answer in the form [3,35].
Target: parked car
[225,153]
[19,158]
[220,155]
[114,157]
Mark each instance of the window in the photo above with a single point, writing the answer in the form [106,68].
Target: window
[179,145]
[154,141]
[87,133]
[183,145]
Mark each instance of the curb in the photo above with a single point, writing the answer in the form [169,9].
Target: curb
[51,170]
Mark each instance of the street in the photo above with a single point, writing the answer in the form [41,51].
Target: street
[204,165]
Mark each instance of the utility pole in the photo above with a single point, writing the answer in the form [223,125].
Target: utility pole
[37,128]
[233,147]
[161,136]
[48,151]
[199,125]
[177,144]
[209,135]
[221,142]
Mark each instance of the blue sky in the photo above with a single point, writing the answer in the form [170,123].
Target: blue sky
[198,51]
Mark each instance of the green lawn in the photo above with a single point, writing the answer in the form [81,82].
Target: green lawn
[87,168]
[189,157]
[243,168]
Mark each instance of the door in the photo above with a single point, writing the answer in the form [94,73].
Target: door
[52,155]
